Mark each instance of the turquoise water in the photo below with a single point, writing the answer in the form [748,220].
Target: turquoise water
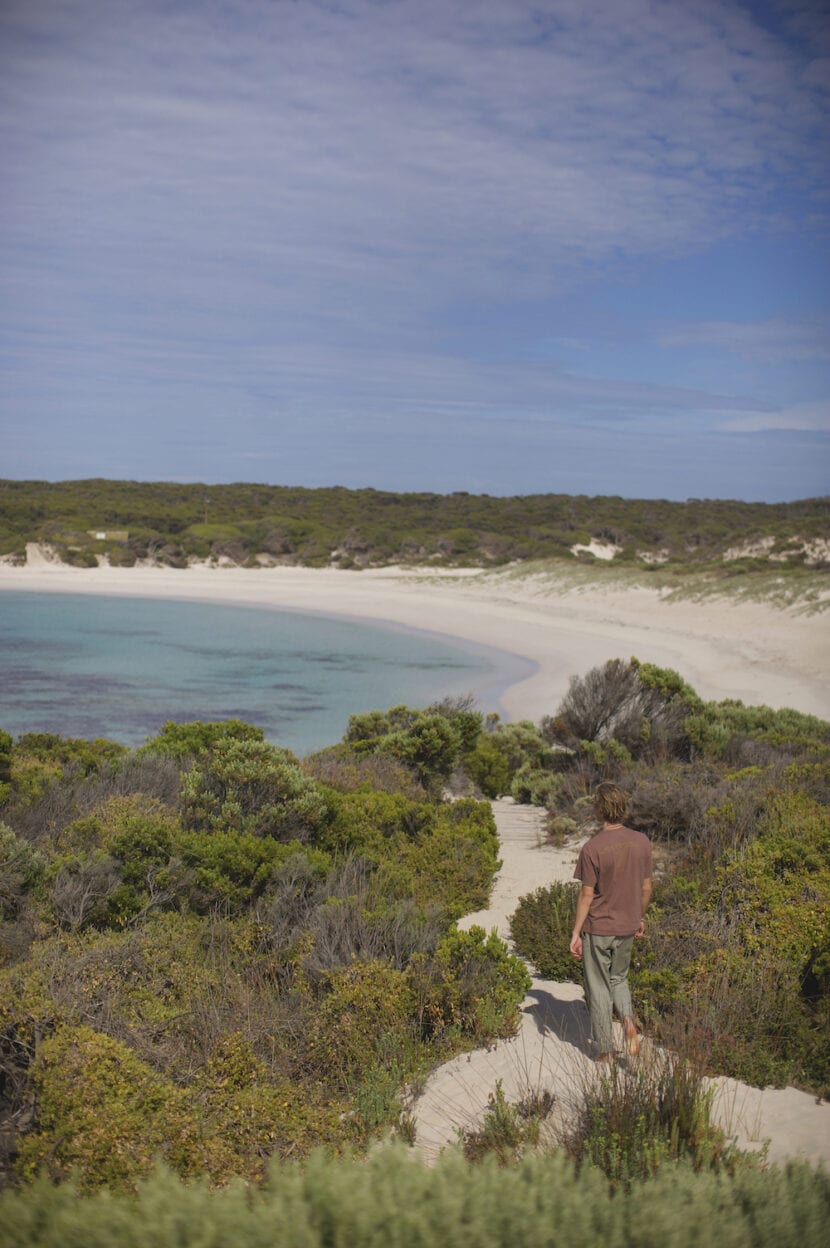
[88,665]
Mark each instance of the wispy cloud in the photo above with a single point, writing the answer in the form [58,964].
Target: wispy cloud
[368,136]
[772,342]
[813,417]
[301,207]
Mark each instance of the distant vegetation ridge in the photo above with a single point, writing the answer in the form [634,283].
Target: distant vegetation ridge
[251,524]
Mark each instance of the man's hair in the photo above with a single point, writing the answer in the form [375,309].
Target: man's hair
[610,802]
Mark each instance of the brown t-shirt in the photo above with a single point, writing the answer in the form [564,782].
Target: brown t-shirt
[615,863]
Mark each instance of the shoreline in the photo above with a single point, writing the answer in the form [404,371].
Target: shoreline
[756,652]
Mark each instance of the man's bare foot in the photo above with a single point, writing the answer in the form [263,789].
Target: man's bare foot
[632,1037]
[604,1059]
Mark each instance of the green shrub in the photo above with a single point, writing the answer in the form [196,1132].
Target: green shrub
[104,1116]
[776,890]
[732,969]
[670,798]
[231,869]
[328,923]
[117,980]
[541,928]
[6,743]
[631,1123]
[452,864]
[741,1016]
[21,870]
[430,741]
[364,1004]
[81,888]
[40,759]
[347,772]
[443,857]
[183,741]
[536,786]
[641,707]
[508,1131]
[431,745]
[472,984]
[375,823]
[258,1117]
[120,556]
[504,751]
[370,725]
[58,752]
[488,767]
[398,1201]
[251,787]
[459,712]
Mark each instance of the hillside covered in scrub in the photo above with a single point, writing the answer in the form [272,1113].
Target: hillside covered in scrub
[216,954]
[173,524]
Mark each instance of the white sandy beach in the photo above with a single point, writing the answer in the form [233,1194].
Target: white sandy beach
[756,652]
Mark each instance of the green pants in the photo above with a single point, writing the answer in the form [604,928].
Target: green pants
[605,961]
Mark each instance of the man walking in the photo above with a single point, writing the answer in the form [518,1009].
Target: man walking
[614,867]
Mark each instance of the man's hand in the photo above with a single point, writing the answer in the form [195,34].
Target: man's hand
[576,946]
[641,930]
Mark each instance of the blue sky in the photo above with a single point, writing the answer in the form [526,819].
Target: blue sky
[577,246]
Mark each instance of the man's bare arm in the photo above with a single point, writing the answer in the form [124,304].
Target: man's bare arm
[645,898]
[583,905]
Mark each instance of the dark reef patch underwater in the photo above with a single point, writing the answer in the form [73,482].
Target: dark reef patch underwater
[90,665]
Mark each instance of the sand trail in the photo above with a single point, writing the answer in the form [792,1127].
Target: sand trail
[550,1050]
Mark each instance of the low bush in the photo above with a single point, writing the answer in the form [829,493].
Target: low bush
[740,1016]
[488,768]
[396,1200]
[373,823]
[535,786]
[342,769]
[6,743]
[507,1131]
[503,752]
[81,889]
[232,870]
[42,810]
[453,864]
[21,870]
[472,984]
[363,1006]
[185,741]
[641,707]
[631,1122]
[104,1116]
[541,928]
[250,787]
[429,742]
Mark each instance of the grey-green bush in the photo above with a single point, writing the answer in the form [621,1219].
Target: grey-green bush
[394,1201]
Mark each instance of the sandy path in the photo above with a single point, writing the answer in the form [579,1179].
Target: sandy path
[551,1050]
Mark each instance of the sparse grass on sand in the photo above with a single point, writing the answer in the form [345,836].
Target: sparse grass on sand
[804,590]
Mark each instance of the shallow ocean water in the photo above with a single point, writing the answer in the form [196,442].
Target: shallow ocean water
[88,665]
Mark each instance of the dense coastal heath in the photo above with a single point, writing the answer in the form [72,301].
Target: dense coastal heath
[171,523]
[224,958]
